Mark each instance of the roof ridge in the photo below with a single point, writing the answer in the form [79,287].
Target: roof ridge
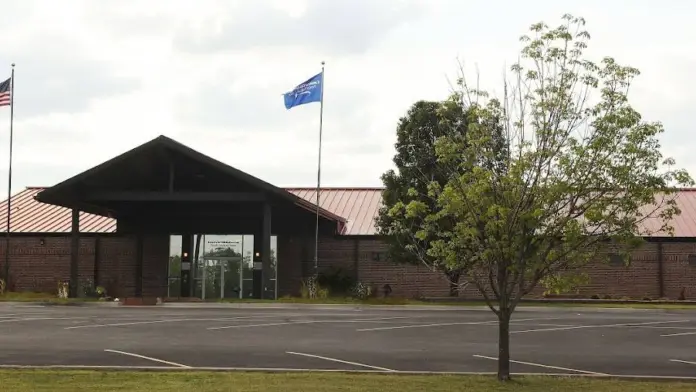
[685,189]
[335,187]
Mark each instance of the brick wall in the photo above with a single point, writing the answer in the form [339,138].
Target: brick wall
[116,269]
[39,267]
[296,260]
[405,280]
[679,274]
[291,252]
[356,257]
[155,265]
[638,280]
[337,253]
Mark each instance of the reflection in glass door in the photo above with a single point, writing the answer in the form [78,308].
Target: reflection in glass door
[223,266]
[273,279]
[174,274]
[221,277]
[218,271]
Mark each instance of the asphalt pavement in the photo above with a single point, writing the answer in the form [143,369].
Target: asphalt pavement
[567,341]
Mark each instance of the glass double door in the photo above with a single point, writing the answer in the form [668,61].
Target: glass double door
[219,277]
[222,266]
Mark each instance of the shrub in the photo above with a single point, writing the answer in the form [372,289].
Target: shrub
[310,282]
[304,290]
[322,292]
[88,288]
[100,291]
[62,289]
[336,280]
[362,291]
[387,290]
[2,287]
[568,284]
[595,296]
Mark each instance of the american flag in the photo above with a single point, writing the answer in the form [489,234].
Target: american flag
[5,92]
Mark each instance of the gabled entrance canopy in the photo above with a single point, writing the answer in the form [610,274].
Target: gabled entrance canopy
[164,177]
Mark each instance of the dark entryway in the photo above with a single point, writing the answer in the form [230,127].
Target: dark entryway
[165,188]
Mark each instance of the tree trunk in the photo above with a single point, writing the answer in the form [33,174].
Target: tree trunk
[504,345]
[453,279]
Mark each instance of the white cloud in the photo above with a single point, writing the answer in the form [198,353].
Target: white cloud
[95,79]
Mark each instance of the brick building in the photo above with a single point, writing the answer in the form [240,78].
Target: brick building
[163,220]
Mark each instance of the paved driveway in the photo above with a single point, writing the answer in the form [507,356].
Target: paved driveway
[616,342]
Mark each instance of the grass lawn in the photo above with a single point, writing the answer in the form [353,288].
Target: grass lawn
[31,297]
[40,380]
[39,297]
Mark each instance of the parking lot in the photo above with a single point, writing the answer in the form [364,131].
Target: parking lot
[554,340]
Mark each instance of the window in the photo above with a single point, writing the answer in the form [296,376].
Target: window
[379,256]
[616,260]
[692,260]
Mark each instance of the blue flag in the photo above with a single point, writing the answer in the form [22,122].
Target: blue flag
[307,92]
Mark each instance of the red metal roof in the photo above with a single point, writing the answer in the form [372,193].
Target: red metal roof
[31,216]
[683,225]
[359,206]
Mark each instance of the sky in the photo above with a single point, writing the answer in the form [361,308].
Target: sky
[94,79]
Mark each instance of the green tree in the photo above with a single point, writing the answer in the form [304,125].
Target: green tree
[584,176]
[416,162]
[221,251]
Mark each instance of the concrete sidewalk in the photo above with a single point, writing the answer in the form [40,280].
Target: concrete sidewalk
[333,307]
[439,308]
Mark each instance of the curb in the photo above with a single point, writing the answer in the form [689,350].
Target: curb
[330,307]
[644,378]
[319,306]
[583,301]
[45,304]
[434,308]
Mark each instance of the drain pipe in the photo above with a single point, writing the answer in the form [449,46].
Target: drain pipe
[660,270]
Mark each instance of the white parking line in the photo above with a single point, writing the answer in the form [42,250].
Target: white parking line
[680,361]
[148,358]
[41,318]
[448,324]
[424,326]
[678,334]
[600,326]
[341,361]
[19,315]
[306,322]
[554,325]
[165,321]
[545,366]
[681,328]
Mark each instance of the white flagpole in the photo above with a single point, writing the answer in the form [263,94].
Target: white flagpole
[316,229]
